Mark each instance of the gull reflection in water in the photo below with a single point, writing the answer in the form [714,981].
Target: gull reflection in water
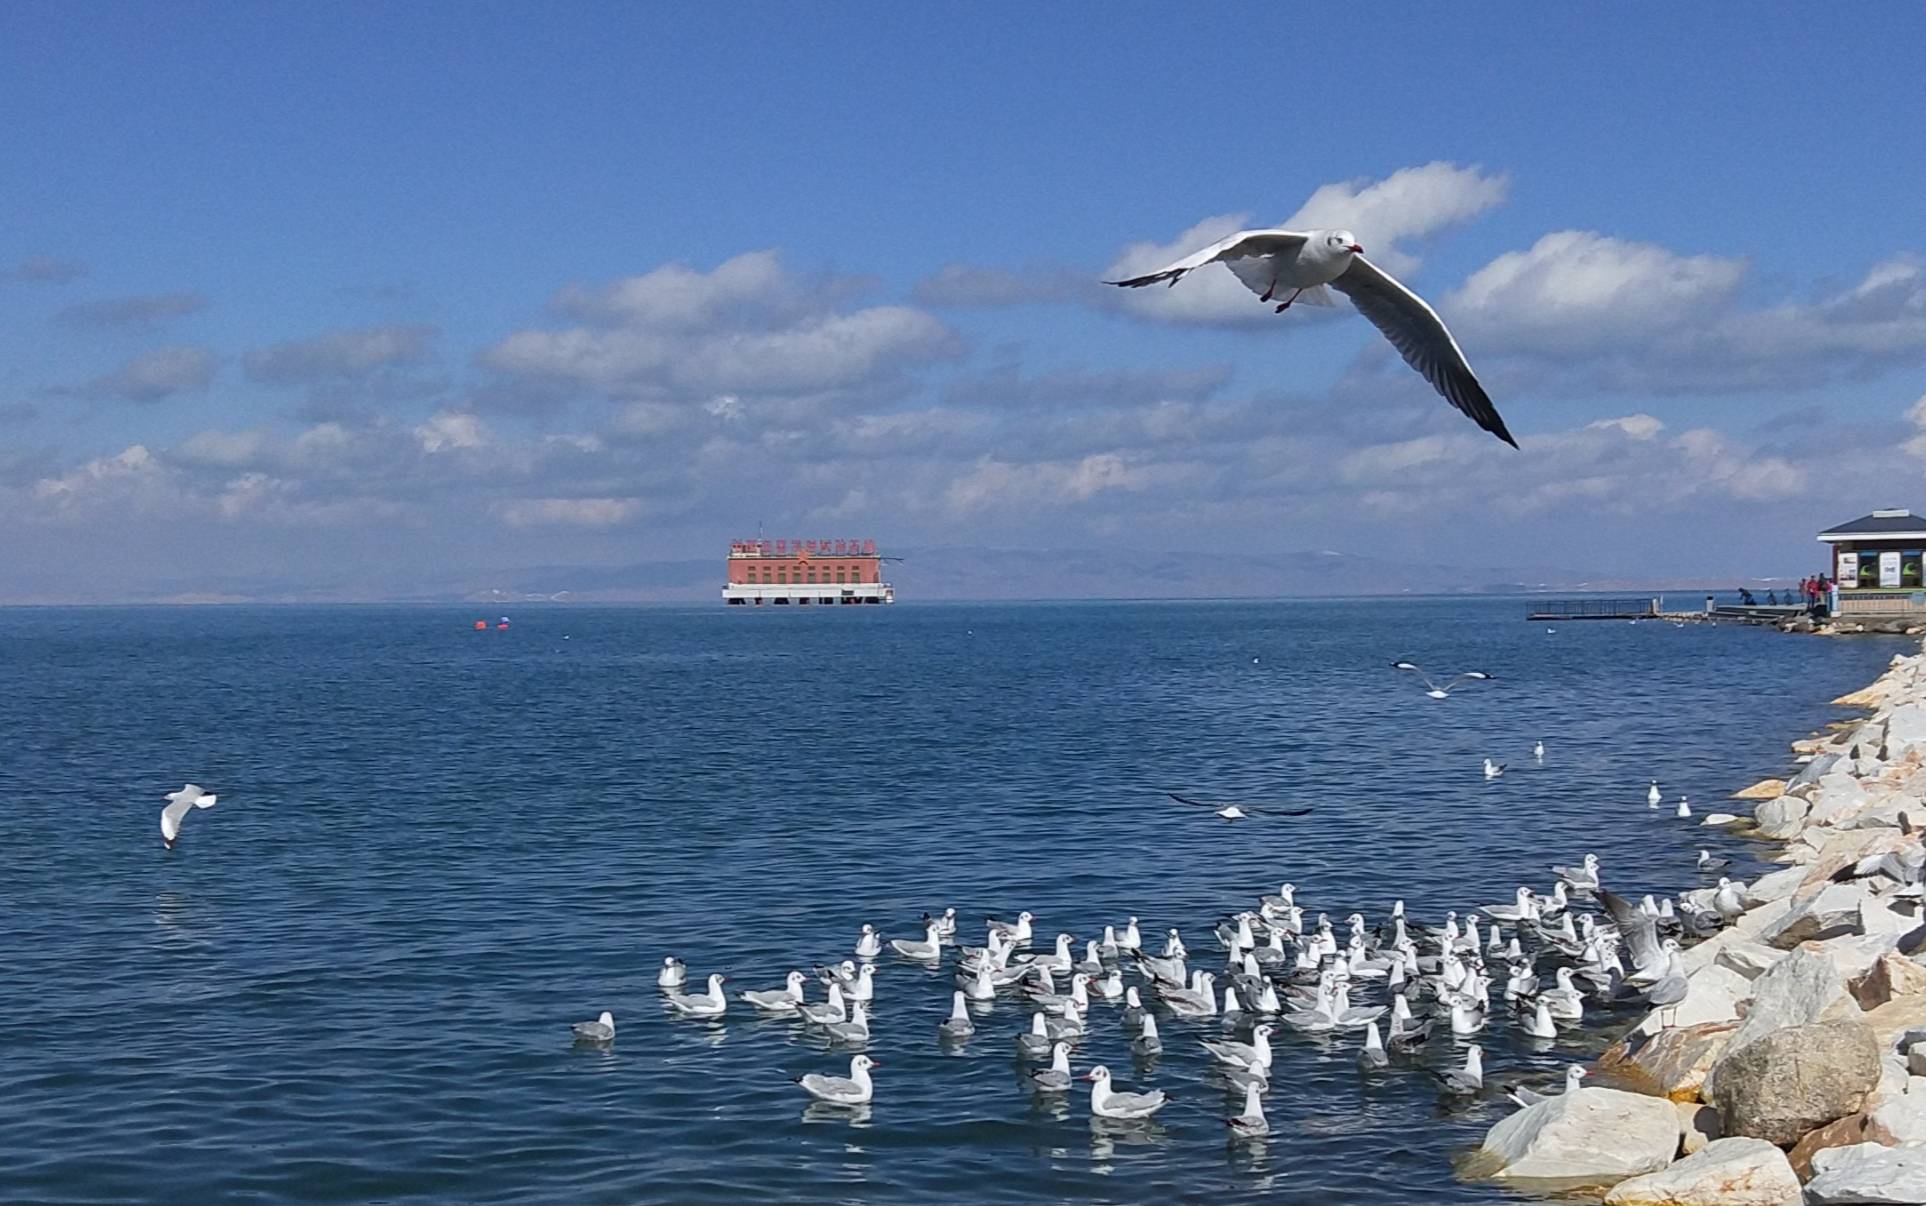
[1107,1133]
[823,1111]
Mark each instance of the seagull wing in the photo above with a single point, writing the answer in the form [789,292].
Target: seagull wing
[1242,245]
[1413,668]
[1637,928]
[1278,812]
[171,818]
[1415,329]
[1187,800]
[1475,677]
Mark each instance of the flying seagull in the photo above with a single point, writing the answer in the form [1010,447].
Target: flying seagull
[1302,263]
[1444,692]
[1238,812]
[178,805]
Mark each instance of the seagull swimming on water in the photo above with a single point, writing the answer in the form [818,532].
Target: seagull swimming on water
[1239,812]
[1302,263]
[179,803]
[601,1030]
[1494,769]
[1433,690]
[836,1090]
[1107,1103]
[673,974]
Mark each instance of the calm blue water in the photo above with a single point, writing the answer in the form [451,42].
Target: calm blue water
[436,848]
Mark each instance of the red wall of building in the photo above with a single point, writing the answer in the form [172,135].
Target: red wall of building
[791,570]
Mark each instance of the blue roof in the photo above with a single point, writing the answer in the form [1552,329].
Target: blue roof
[1893,522]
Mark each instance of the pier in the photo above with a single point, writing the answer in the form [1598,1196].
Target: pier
[1596,609]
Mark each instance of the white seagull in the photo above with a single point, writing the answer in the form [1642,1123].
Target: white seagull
[1239,812]
[1433,690]
[1494,769]
[1302,263]
[786,999]
[673,974]
[1251,1124]
[836,1090]
[178,805]
[1684,810]
[601,1030]
[711,1004]
[1652,796]
[1106,1103]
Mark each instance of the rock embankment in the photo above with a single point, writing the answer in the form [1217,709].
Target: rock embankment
[1795,1069]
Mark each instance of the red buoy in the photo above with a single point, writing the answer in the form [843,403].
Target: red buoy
[481,625]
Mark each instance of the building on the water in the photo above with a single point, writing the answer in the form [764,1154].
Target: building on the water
[782,572]
[1876,563]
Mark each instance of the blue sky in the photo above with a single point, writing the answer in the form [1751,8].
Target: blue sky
[364,300]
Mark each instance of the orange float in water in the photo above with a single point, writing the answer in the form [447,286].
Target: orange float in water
[481,625]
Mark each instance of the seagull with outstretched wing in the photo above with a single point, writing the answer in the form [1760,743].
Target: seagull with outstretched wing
[1306,265]
[1231,811]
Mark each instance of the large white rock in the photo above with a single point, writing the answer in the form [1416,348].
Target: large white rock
[1712,994]
[1867,1172]
[1905,729]
[1776,885]
[1903,1115]
[1754,922]
[1725,1172]
[1734,950]
[1599,1135]
[1796,991]
[1831,912]
[1840,796]
[1781,818]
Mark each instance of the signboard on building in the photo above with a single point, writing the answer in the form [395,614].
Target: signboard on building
[1889,569]
[1848,574]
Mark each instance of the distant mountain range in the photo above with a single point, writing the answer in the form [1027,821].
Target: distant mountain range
[942,573]
[965,572]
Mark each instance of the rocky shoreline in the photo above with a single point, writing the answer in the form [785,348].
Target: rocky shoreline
[1795,1068]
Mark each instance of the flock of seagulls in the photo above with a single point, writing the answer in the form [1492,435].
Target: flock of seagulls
[1536,964]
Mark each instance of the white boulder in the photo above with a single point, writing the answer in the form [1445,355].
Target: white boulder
[1725,1172]
[1585,1135]
[1867,1173]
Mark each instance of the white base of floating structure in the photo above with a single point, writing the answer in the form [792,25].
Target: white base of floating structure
[782,594]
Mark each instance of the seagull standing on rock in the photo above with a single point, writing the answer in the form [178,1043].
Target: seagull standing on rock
[1298,265]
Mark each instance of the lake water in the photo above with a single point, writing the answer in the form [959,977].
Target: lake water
[435,848]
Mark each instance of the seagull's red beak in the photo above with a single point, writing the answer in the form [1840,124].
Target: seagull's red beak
[1356,249]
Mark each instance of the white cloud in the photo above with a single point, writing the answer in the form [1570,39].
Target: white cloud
[747,327]
[153,376]
[1384,214]
[1639,427]
[677,298]
[127,476]
[1000,485]
[448,431]
[568,512]
[1576,291]
[356,352]
[1581,312]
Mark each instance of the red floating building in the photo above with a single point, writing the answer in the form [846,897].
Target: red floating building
[782,572]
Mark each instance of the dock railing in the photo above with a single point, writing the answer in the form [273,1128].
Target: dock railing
[1594,609]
